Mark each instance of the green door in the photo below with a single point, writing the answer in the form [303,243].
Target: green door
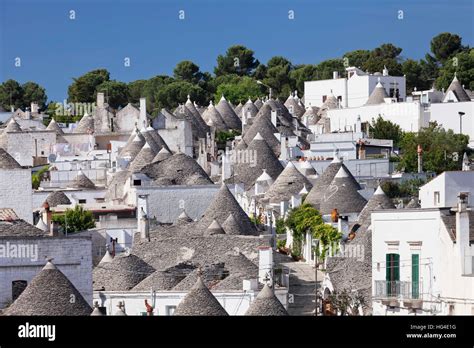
[415,276]
[392,275]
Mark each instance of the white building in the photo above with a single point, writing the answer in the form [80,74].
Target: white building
[355,89]
[422,259]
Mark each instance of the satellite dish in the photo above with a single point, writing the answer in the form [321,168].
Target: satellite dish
[52,158]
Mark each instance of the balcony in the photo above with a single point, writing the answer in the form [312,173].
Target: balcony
[393,293]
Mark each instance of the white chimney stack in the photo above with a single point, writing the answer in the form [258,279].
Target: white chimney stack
[34,108]
[142,121]
[265,265]
[335,75]
[274,118]
[358,127]
[100,100]
[143,217]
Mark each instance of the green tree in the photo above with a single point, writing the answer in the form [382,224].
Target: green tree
[239,91]
[32,92]
[442,150]
[306,219]
[278,77]
[75,220]
[302,73]
[238,60]
[384,129]
[386,55]
[83,89]
[463,65]
[187,71]
[413,71]
[116,93]
[11,94]
[445,45]
[37,177]
[174,93]
[135,90]
[325,69]
[357,58]
[150,92]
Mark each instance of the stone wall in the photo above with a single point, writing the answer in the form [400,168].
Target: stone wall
[16,192]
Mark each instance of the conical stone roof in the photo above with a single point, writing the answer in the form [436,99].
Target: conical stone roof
[214,228]
[12,126]
[262,125]
[289,183]
[378,199]
[7,161]
[121,274]
[258,103]
[132,149]
[238,110]
[377,96]
[85,125]
[458,90]
[53,126]
[213,118]
[232,226]
[247,172]
[144,157]
[228,115]
[250,109]
[57,198]
[224,204]
[199,301]
[266,304]
[342,195]
[49,294]
[83,182]
[162,155]
[316,194]
[158,139]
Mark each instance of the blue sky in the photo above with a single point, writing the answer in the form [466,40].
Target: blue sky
[53,48]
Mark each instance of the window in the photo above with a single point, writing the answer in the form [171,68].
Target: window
[170,310]
[392,275]
[436,198]
[82,201]
[17,288]
[415,276]
[137,182]
[324,98]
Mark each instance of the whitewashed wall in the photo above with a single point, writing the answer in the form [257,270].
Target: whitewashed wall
[16,192]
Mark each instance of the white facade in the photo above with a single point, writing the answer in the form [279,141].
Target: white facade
[72,256]
[409,116]
[354,90]
[164,302]
[16,192]
[445,285]
[23,146]
[442,191]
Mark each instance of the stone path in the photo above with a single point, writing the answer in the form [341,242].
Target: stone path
[301,287]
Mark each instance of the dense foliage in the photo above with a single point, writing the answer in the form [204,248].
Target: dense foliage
[306,219]
[75,220]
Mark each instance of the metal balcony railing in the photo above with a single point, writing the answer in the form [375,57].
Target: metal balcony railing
[403,290]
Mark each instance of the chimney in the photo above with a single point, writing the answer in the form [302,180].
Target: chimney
[143,219]
[142,112]
[283,148]
[274,118]
[335,75]
[34,108]
[265,265]
[100,100]
[462,234]
[358,127]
